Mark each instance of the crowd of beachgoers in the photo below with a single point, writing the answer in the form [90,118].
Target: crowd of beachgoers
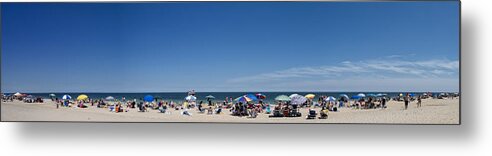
[249,105]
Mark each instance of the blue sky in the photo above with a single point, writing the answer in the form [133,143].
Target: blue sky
[237,46]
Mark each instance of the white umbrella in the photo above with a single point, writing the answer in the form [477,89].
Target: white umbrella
[190,98]
[109,98]
[66,97]
[361,95]
[330,98]
[17,94]
[297,100]
[293,95]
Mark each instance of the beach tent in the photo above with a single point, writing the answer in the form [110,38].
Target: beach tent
[298,100]
[330,98]
[310,96]
[148,98]
[82,97]
[282,98]
[66,97]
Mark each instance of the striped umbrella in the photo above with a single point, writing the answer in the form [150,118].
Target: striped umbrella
[298,100]
[66,97]
[243,99]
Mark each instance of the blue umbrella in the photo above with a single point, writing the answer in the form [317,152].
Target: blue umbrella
[149,98]
[252,97]
[356,97]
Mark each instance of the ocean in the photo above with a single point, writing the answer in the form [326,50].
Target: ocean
[219,96]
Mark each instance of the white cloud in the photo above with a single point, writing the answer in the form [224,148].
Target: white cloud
[391,70]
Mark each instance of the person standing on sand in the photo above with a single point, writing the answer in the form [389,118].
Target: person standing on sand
[383,102]
[407,100]
[419,101]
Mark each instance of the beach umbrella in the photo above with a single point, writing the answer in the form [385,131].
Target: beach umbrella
[371,95]
[30,97]
[82,97]
[298,100]
[17,94]
[260,96]
[243,99]
[310,96]
[52,95]
[252,97]
[293,95]
[109,98]
[401,94]
[282,98]
[148,98]
[190,98]
[66,97]
[344,96]
[330,98]
[356,97]
[381,95]
[361,95]
[210,97]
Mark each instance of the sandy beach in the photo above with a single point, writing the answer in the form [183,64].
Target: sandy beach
[433,111]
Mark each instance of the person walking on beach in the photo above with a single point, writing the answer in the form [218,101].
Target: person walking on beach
[419,101]
[407,100]
[383,102]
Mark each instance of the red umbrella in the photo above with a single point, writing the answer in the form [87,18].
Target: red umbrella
[260,96]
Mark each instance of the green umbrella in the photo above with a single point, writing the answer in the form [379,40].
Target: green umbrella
[282,98]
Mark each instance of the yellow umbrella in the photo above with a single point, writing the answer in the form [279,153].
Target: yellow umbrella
[82,97]
[310,96]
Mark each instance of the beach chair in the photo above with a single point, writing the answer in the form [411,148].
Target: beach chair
[276,113]
[312,114]
[295,113]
